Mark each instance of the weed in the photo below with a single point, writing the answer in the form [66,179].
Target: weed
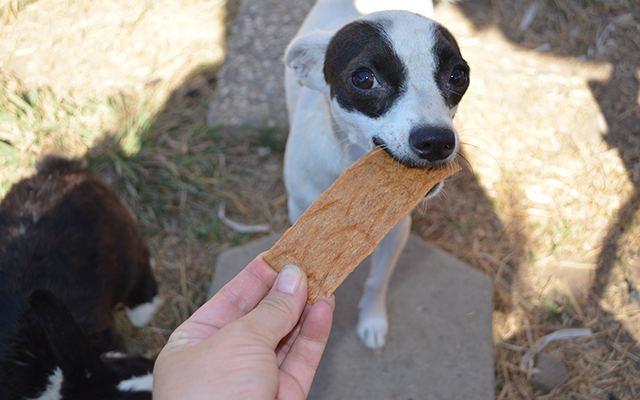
[551,307]
[268,137]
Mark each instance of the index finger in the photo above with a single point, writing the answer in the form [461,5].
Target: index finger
[241,295]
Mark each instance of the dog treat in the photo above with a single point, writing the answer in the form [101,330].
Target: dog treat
[345,223]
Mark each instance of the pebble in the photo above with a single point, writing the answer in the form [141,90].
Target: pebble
[549,373]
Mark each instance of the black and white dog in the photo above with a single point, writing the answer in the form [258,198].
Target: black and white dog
[361,76]
[71,253]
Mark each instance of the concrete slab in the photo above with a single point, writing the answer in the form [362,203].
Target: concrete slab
[440,342]
[250,88]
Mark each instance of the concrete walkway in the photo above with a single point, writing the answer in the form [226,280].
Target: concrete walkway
[250,88]
[440,341]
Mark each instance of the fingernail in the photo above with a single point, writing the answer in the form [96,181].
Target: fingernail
[331,301]
[289,279]
[325,299]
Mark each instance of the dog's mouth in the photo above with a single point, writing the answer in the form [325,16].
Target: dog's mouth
[412,161]
[434,190]
[413,164]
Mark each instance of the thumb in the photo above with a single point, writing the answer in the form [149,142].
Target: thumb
[278,313]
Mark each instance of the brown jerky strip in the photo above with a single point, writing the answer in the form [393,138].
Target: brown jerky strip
[345,223]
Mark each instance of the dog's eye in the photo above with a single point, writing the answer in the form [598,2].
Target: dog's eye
[364,79]
[458,77]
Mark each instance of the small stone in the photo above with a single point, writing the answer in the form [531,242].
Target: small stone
[549,373]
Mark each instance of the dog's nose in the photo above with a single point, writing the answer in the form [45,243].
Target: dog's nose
[432,144]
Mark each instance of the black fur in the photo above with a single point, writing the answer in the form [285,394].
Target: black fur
[83,370]
[449,58]
[66,234]
[53,164]
[364,45]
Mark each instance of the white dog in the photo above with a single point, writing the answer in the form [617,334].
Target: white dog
[361,77]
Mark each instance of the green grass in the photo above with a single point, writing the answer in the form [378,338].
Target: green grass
[34,121]
[268,138]
[121,133]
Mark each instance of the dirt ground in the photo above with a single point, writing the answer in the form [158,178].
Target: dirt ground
[552,125]
[548,204]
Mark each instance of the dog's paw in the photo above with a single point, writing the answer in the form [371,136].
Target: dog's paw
[373,328]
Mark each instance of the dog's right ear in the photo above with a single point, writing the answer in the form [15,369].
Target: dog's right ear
[306,57]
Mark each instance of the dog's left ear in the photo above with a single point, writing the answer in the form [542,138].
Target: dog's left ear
[305,56]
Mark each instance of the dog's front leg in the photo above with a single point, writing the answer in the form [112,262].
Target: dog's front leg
[373,324]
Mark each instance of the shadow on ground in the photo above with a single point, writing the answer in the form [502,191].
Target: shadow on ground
[176,181]
[599,33]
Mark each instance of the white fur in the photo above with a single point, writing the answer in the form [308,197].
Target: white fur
[325,139]
[422,7]
[115,355]
[52,392]
[142,383]
[142,314]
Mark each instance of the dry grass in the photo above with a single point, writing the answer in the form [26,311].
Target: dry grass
[549,208]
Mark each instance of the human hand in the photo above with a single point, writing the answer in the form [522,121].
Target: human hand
[242,344]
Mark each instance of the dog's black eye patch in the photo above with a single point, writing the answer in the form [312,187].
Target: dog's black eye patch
[356,48]
[452,72]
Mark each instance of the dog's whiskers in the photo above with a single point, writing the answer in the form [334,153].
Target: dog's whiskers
[345,148]
[484,152]
[462,157]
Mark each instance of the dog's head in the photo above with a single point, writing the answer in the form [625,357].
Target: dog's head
[394,79]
